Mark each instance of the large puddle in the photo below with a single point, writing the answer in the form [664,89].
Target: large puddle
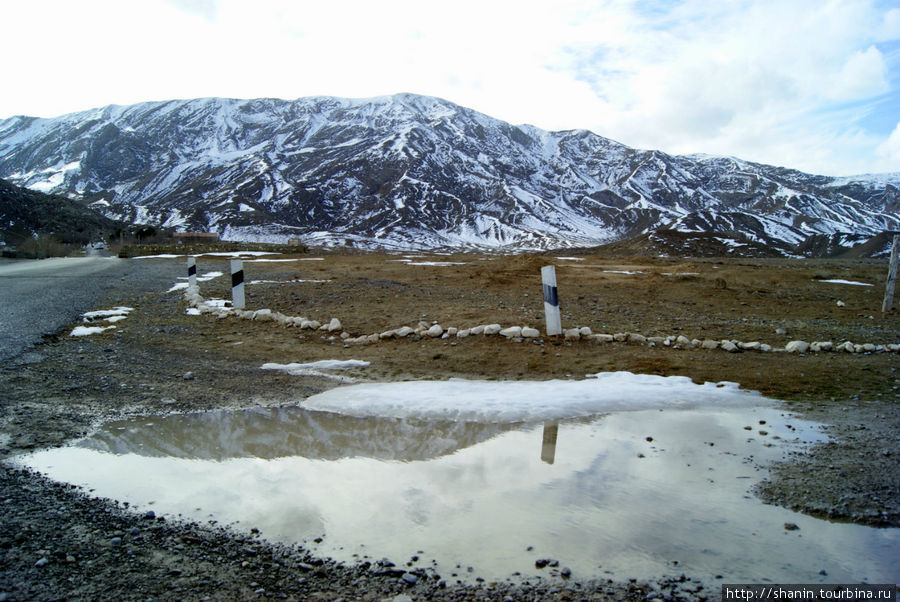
[494,476]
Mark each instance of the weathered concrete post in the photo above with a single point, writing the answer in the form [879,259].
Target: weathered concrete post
[237,284]
[192,272]
[551,300]
[892,275]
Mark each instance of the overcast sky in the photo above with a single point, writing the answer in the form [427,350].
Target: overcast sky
[808,84]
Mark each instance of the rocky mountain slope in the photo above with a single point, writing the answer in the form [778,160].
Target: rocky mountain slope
[408,171]
[25,213]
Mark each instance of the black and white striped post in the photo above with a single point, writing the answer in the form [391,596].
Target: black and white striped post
[551,300]
[237,284]
[192,272]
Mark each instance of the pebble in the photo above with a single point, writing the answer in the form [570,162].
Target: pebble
[409,578]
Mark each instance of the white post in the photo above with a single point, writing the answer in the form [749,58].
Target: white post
[551,300]
[192,272]
[237,284]
[892,275]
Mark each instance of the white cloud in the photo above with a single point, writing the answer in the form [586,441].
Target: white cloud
[889,150]
[773,81]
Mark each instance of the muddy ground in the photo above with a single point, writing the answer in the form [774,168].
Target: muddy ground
[56,543]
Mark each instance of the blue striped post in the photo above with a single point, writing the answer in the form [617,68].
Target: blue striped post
[192,272]
[237,284]
[551,300]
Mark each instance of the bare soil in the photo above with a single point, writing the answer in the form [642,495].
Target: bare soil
[97,549]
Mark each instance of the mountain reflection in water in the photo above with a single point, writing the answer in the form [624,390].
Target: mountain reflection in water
[269,433]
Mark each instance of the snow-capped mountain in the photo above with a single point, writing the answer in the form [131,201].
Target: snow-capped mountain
[409,171]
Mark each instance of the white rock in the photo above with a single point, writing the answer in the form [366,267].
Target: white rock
[345,335]
[869,347]
[892,347]
[585,331]
[461,334]
[404,331]
[751,346]
[846,347]
[857,348]
[262,315]
[571,334]
[603,338]
[530,333]
[492,329]
[621,336]
[657,340]
[797,347]
[477,330]
[512,332]
[435,331]
[334,325]
[841,304]
[709,344]
[729,346]
[683,342]
[633,337]
[765,347]
[387,334]
[452,331]
[696,342]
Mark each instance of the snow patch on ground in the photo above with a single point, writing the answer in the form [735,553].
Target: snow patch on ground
[110,315]
[520,401]
[283,281]
[316,368]
[839,281]
[83,331]
[272,260]
[180,286]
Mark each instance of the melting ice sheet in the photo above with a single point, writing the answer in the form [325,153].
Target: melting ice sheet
[621,494]
[524,401]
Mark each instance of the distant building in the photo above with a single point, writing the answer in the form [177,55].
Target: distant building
[294,242]
[195,237]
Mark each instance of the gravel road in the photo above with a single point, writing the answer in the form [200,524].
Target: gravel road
[39,297]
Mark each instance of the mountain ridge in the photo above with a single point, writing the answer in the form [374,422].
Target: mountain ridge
[408,171]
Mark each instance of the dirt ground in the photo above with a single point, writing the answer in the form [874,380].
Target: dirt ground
[141,367]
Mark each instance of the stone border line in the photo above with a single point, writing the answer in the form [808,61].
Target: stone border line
[521,333]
